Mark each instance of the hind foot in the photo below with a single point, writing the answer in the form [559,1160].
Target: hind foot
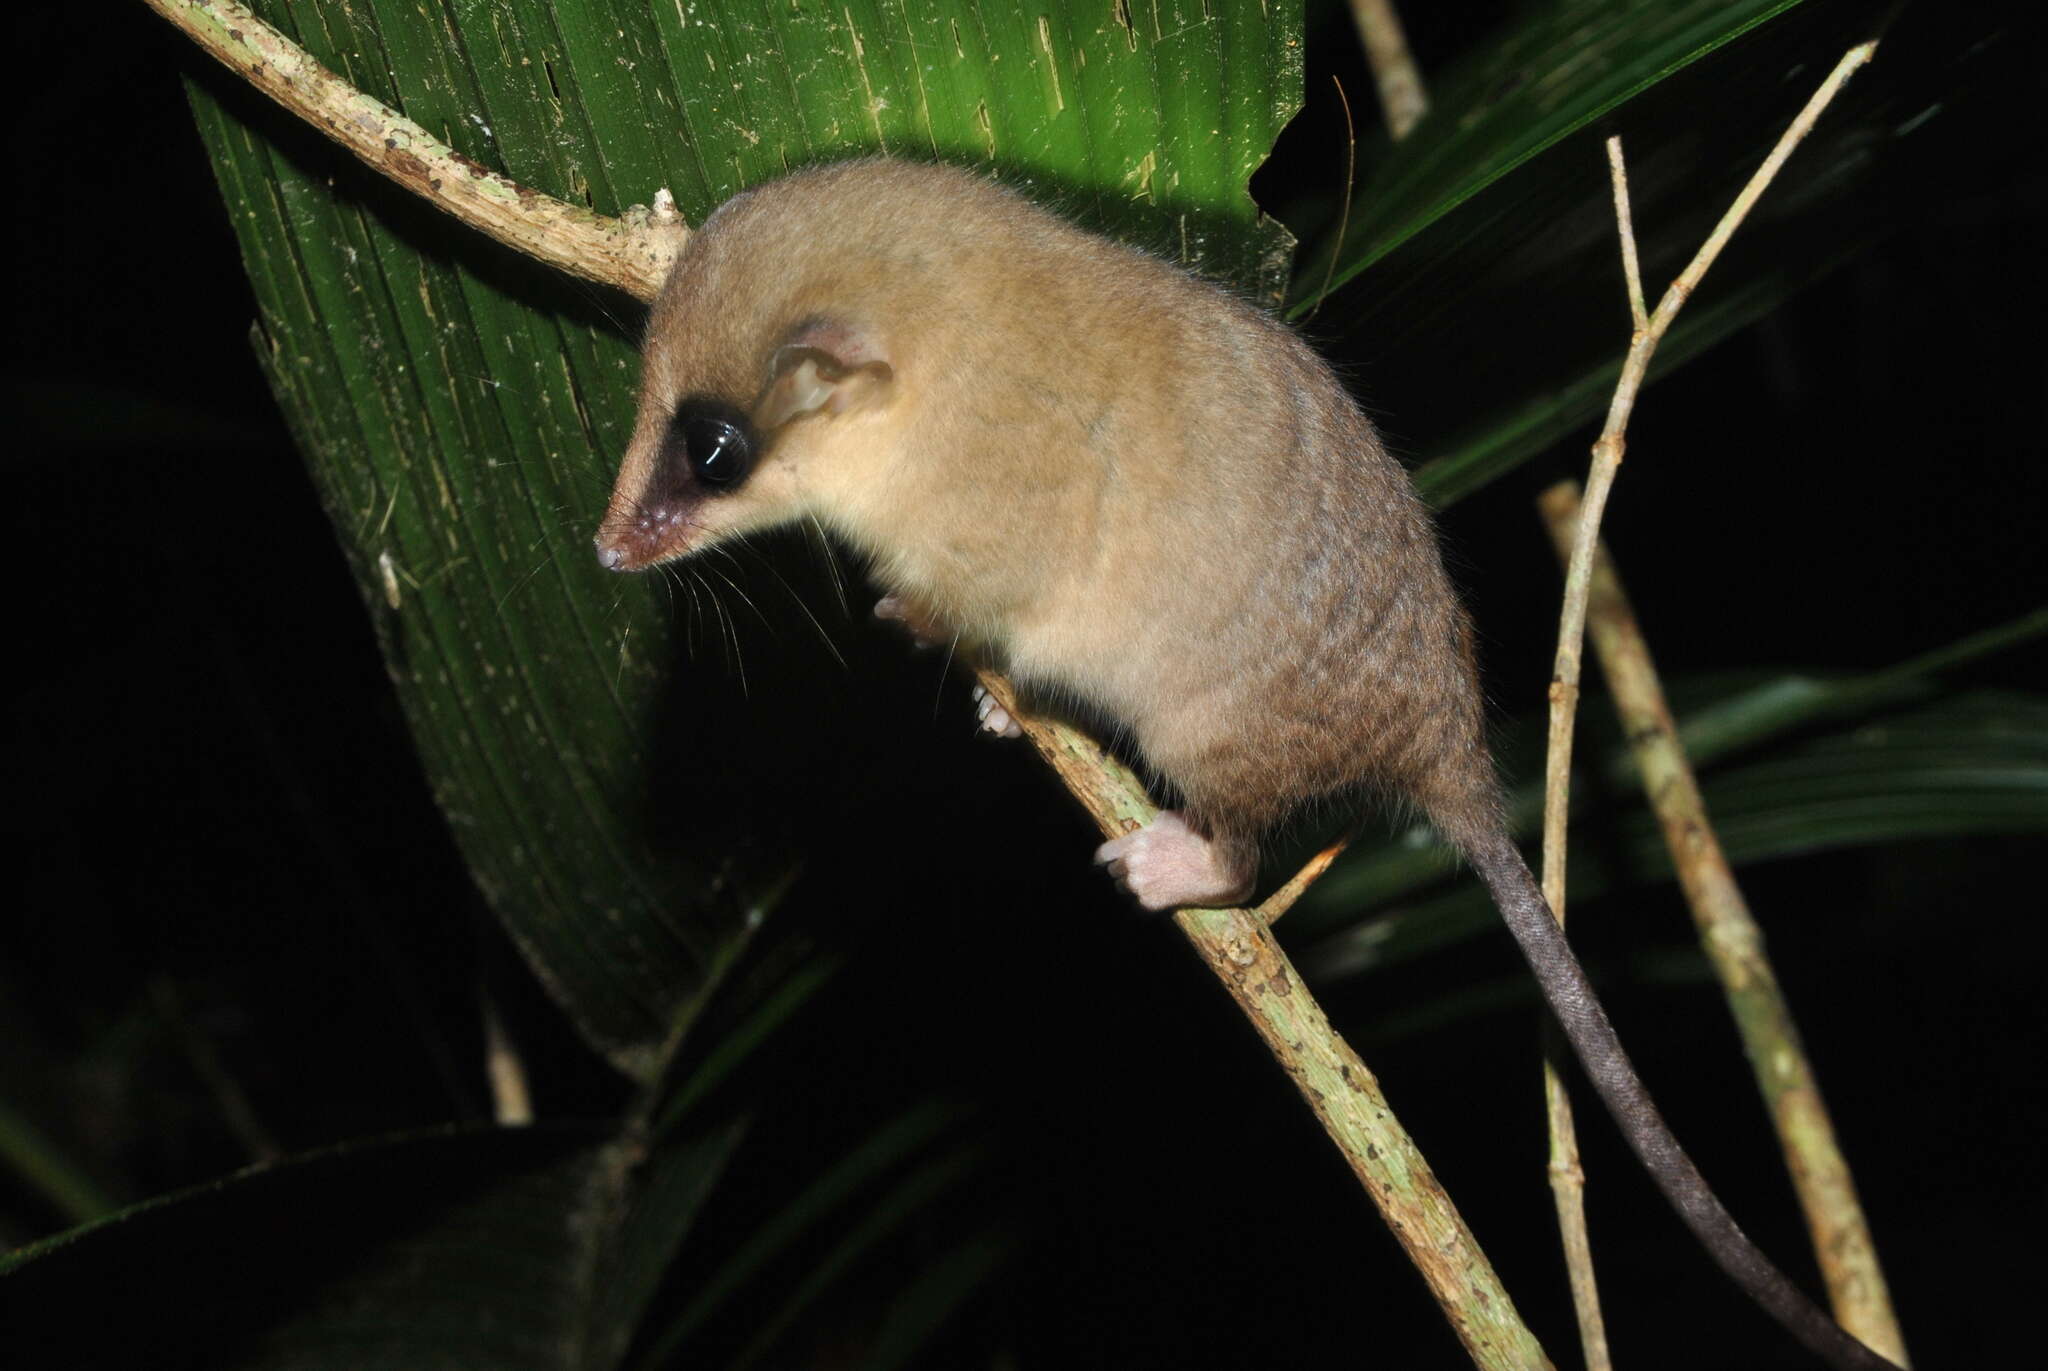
[1168,865]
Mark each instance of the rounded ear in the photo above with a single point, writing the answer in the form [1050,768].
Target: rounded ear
[824,368]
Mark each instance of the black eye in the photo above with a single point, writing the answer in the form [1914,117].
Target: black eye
[715,440]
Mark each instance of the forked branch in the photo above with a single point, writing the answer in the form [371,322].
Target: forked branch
[1854,1281]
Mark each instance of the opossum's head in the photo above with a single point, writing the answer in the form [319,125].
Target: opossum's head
[766,381]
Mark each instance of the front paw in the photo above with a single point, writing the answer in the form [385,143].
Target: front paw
[924,628]
[1167,865]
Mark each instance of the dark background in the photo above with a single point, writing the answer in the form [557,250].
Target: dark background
[230,869]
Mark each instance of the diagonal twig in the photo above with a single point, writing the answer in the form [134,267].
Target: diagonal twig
[1842,1242]
[632,252]
[1238,947]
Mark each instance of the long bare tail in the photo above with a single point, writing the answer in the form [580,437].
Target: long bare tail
[1521,903]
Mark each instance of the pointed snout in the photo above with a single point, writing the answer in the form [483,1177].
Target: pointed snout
[645,535]
[627,548]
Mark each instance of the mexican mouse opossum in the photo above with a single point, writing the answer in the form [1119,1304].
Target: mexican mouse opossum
[1137,493]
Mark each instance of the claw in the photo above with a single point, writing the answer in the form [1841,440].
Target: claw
[994,718]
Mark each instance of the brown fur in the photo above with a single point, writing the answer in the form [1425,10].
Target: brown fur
[1138,490]
[1142,494]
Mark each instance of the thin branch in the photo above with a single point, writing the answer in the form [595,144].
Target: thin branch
[1567,1172]
[511,1100]
[632,252]
[1568,1197]
[1567,1178]
[1624,224]
[1239,949]
[1607,455]
[1280,901]
[1794,134]
[1402,94]
[1841,1235]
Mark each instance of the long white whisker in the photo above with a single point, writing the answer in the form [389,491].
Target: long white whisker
[945,669]
[814,534]
[769,564]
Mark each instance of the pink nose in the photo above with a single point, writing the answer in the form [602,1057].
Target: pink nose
[609,557]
